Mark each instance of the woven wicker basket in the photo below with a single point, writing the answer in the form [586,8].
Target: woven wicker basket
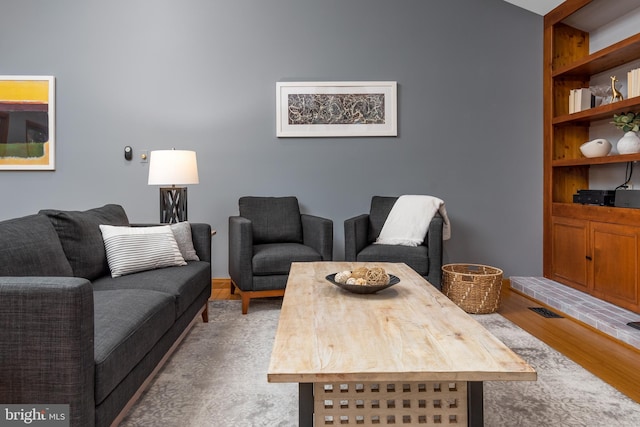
[475,288]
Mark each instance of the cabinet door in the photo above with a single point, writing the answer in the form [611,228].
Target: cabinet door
[615,263]
[569,250]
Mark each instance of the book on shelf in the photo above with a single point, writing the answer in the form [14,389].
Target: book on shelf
[633,83]
[580,100]
[572,101]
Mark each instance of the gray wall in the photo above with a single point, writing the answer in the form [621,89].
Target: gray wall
[201,74]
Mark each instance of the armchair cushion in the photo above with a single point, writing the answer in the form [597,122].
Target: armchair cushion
[274,219]
[276,258]
[416,257]
[380,209]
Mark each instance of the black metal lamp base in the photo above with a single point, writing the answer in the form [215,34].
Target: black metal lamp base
[173,204]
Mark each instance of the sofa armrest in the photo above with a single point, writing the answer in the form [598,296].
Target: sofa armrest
[355,236]
[201,236]
[241,252]
[317,233]
[46,343]
[433,241]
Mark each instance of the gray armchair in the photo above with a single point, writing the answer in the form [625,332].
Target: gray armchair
[361,231]
[269,234]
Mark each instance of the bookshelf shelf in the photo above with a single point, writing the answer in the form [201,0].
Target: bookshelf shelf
[598,113]
[584,161]
[613,56]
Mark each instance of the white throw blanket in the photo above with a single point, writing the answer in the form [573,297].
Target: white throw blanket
[409,220]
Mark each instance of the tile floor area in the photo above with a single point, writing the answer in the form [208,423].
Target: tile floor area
[599,314]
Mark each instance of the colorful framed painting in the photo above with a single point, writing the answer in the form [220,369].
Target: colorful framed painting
[27,123]
[330,109]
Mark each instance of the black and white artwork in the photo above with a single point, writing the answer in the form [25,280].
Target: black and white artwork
[336,108]
[316,109]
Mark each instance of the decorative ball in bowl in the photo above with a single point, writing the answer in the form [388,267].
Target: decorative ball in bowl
[363,280]
[596,148]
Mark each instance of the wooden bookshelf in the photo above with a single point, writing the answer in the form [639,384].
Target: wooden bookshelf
[592,248]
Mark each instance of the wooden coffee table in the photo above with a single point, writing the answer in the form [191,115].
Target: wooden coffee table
[406,355]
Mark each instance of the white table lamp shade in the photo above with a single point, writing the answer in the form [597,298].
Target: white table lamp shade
[173,167]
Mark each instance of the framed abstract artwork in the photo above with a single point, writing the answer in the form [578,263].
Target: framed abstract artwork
[27,123]
[330,109]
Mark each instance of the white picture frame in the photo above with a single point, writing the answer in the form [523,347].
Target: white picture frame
[27,123]
[335,109]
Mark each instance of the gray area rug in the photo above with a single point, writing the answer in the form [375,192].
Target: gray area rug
[218,377]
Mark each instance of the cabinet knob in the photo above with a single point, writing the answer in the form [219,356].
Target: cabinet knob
[588,257]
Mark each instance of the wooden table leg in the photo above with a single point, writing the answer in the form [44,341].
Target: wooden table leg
[475,404]
[305,398]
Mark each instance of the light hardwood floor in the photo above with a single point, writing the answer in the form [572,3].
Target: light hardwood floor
[611,360]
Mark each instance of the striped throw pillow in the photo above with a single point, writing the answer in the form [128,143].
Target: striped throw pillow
[133,249]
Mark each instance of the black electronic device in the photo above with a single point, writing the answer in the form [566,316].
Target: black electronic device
[628,199]
[595,197]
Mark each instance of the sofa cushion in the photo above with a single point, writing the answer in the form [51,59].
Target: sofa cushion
[184,283]
[133,249]
[276,258]
[29,246]
[128,323]
[380,209]
[182,233]
[416,257]
[273,219]
[81,238]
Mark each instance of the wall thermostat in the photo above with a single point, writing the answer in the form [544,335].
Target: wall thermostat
[128,153]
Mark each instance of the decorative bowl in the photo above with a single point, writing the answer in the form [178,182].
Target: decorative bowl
[364,289]
[596,148]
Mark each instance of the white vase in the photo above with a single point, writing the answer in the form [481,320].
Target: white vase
[629,143]
[596,148]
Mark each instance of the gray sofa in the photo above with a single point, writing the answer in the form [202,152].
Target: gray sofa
[70,333]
